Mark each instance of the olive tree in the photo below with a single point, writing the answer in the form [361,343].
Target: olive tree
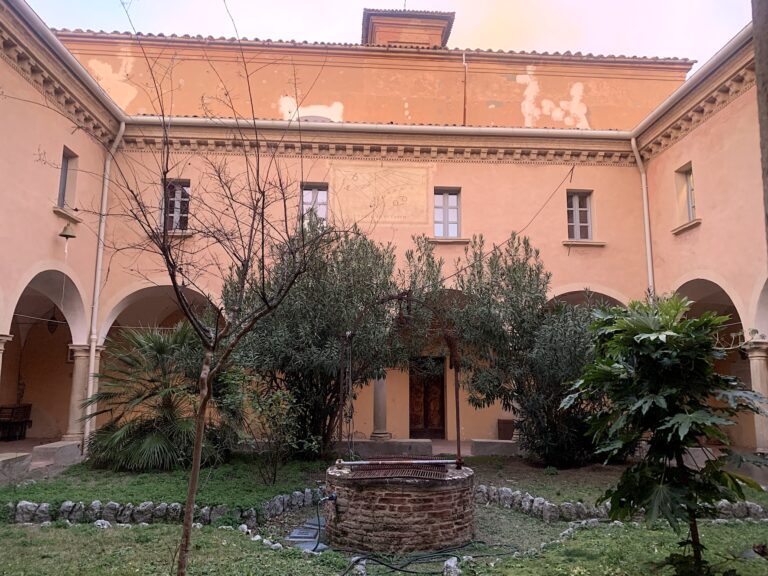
[520,349]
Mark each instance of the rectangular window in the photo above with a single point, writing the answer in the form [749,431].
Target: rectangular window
[446,212]
[176,205]
[686,201]
[314,198]
[67,179]
[579,214]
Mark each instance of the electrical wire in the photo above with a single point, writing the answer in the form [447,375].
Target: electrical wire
[484,255]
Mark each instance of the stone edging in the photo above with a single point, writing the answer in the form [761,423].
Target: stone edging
[550,512]
[149,512]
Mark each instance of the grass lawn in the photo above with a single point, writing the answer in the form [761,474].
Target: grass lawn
[233,484]
[585,484]
[611,551]
[631,551]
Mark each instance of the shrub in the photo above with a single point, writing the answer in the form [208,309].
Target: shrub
[655,366]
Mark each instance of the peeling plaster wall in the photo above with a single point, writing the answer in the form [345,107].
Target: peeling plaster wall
[381,87]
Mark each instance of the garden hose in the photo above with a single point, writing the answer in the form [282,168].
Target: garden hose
[330,498]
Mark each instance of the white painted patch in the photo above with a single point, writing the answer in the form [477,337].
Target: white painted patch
[116,83]
[333,112]
[572,113]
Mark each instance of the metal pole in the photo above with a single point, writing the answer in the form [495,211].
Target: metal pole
[459,461]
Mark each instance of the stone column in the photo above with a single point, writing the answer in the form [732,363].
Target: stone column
[380,410]
[757,350]
[77,394]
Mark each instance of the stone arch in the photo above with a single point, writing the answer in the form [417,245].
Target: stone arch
[759,319]
[143,305]
[698,279]
[58,283]
[575,293]
[48,328]
[710,296]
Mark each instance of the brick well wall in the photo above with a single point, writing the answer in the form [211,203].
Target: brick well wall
[400,514]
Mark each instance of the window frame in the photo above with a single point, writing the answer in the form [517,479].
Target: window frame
[444,210]
[67,179]
[315,188]
[573,227]
[179,222]
[690,198]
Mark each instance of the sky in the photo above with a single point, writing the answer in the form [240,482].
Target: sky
[694,29]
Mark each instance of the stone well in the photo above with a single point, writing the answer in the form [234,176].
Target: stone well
[399,513]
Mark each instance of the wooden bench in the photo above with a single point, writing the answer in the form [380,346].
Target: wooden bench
[14,421]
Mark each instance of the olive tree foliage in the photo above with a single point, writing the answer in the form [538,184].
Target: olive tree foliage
[341,326]
[521,351]
[655,366]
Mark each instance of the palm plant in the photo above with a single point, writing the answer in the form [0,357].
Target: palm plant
[149,401]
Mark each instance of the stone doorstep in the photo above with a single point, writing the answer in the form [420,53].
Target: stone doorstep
[62,453]
[14,466]
[495,448]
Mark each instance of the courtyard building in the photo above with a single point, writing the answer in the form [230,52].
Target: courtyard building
[628,174]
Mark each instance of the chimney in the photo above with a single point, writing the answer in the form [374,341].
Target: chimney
[421,28]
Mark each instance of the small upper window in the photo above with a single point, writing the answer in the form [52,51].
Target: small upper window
[67,179]
[176,205]
[685,198]
[446,213]
[579,215]
[314,198]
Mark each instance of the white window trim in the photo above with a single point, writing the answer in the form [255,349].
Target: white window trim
[572,203]
[690,198]
[67,179]
[315,188]
[445,221]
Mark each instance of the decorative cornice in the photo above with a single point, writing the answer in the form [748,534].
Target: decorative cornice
[732,81]
[60,89]
[397,147]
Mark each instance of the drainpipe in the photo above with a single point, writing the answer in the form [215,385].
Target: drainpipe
[646,216]
[466,69]
[93,336]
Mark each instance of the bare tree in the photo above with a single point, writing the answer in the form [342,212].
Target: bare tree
[222,241]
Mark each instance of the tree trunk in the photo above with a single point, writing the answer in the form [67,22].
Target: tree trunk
[695,541]
[204,390]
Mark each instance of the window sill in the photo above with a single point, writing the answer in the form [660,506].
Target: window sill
[687,226]
[449,240]
[583,243]
[180,233]
[67,214]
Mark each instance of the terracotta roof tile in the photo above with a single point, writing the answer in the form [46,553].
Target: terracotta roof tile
[78,32]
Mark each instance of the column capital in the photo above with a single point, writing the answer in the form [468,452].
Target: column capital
[5,338]
[756,349]
[80,350]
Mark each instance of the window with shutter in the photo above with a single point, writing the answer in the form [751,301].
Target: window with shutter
[176,205]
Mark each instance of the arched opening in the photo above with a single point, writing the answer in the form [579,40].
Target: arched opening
[153,306]
[707,296]
[580,297]
[48,325]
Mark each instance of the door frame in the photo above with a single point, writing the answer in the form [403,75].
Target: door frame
[427,433]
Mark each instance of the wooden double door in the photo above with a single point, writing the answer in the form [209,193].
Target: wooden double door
[426,383]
